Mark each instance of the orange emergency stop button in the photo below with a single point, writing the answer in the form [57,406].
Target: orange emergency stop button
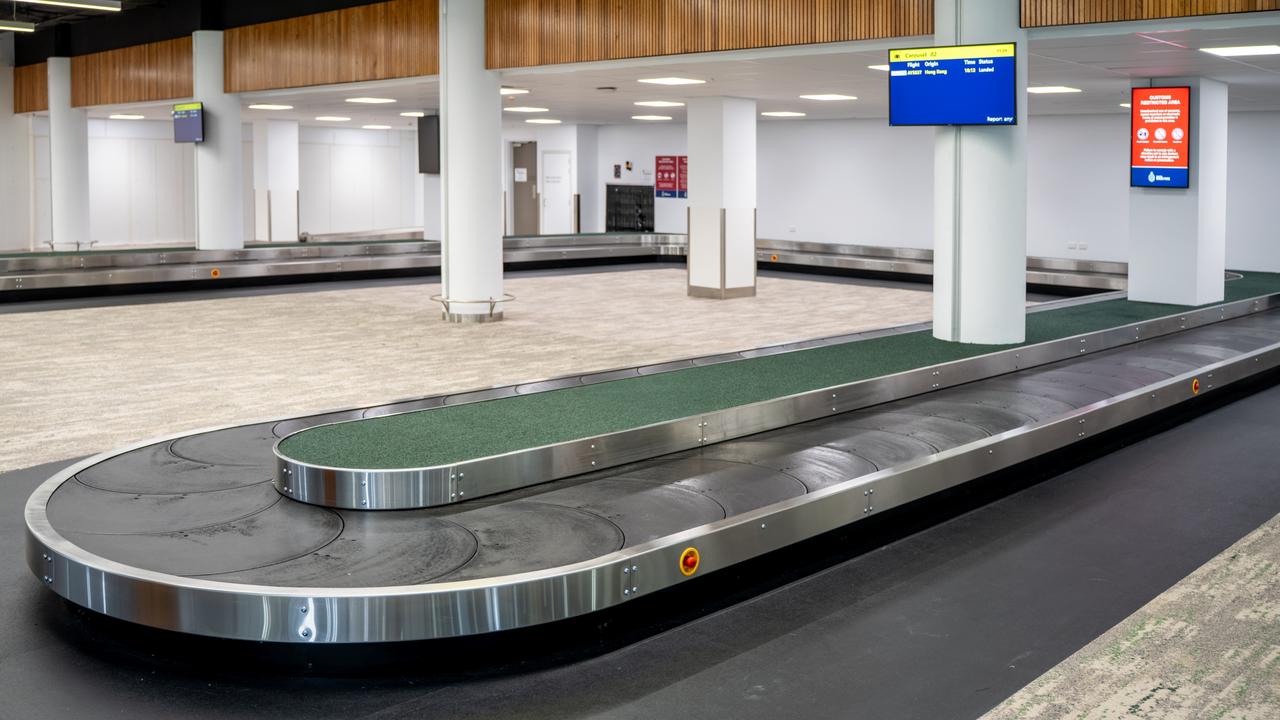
[689,561]
[1195,386]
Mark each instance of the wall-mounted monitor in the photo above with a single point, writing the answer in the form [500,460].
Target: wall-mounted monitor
[1160,137]
[429,144]
[188,122]
[955,85]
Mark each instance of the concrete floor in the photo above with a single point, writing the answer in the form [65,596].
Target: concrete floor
[90,376]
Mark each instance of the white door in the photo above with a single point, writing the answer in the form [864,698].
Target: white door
[557,194]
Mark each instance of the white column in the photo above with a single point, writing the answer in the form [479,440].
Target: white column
[471,165]
[15,179]
[1178,237]
[68,159]
[275,180]
[722,197]
[980,196]
[219,159]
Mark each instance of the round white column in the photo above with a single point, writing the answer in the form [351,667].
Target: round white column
[980,196]
[219,159]
[471,166]
[68,159]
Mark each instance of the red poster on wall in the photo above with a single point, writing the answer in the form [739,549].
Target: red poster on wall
[1160,137]
[670,176]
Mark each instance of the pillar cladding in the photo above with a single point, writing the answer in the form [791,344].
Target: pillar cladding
[471,167]
[980,196]
[15,184]
[275,180]
[722,197]
[219,159]
[68,159]
[1178,236]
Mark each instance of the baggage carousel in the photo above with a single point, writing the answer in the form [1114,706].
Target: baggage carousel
[33,275]
[189,533]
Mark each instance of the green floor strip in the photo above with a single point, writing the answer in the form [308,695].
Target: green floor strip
[459,433]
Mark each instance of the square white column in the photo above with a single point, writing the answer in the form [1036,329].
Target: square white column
[68,159]
[15,184]
[1178,236]
[722,197]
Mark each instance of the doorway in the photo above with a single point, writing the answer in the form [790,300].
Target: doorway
[524,188]
[557,193]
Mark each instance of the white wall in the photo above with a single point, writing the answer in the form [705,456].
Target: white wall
[1253,156]
[848,181]
[862,182]
[353,180]
[1078,186]
[141,184]
[15,160]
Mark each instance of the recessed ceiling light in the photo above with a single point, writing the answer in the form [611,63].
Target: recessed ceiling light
[270,107]
[332,118]
[17,26]
[659,103]
[513,91]
[1051,89]
[1125,105]
[881,68]
[543,121]
[828,97]
[413,113]
[107,5]
[127,116]
[376,127]
[525,109]
[370,100]
[672,81]
[650,117]
[782,113]
[1244,50]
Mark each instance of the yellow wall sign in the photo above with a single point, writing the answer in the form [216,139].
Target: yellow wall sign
[958,52]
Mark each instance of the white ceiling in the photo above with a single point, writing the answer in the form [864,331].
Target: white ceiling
[1102,66]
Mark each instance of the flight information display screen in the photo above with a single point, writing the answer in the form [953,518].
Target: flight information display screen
[188,123]
[955,85]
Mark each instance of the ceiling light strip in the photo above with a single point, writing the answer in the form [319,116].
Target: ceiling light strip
[105,5]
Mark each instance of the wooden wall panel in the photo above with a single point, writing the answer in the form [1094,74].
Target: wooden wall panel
[523,33]
[394,39]
[1045,13]
[140,73]
[31,88]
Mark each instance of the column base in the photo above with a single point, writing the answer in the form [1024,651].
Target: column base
[722,293]
[471,318]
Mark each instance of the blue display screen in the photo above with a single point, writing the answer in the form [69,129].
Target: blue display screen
[959,85]
[188,122]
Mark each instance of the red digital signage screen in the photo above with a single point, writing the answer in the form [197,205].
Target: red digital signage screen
[1160,137]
